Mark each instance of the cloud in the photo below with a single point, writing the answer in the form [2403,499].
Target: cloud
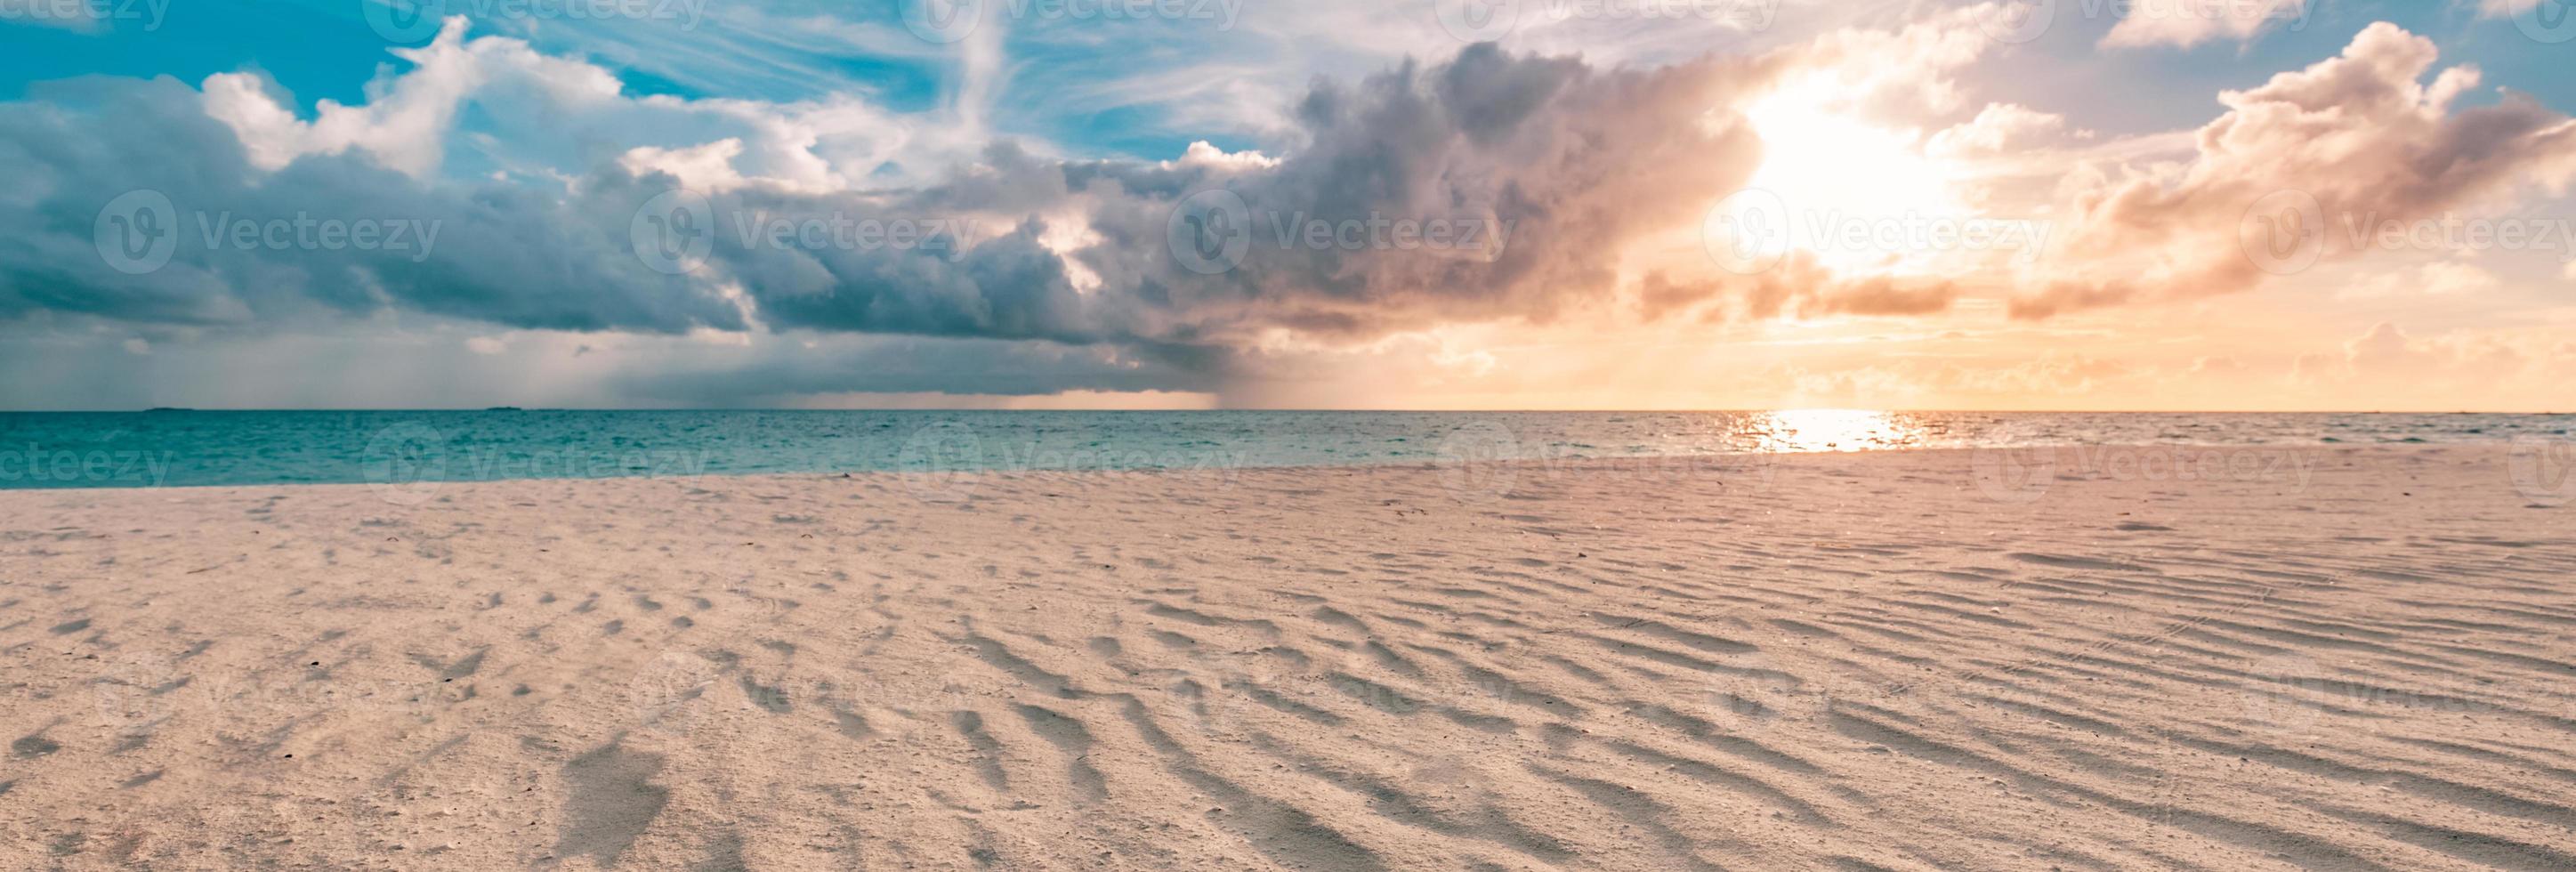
[1999,129]
[406,119]
[1514,142]
[2186,23]
[1797,286]
[2352,143]
[2506,8]
[531,171]
[1907,75]
[1038,268]
[501,253]
[2387,355]
[775,373]
[2441,278]
[1560,162]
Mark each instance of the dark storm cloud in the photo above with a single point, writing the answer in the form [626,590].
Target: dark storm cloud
[500,253]
[911,365]
[1553,162]
[1560,162]
[1549,162]
[1031,274]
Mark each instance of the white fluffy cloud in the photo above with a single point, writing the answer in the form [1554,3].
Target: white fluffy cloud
[2506,8]
[1999,129]
[2441,278]
[2353,142]
[2186,23]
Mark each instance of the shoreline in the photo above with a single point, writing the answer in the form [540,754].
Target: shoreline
[1678,462]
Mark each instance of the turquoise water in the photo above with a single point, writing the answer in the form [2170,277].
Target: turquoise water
[183,448]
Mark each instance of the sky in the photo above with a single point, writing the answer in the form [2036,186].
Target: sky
[1458,204]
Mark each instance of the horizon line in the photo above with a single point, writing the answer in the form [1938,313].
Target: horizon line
[1301,410]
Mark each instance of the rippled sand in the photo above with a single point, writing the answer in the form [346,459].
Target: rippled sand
[2342,659]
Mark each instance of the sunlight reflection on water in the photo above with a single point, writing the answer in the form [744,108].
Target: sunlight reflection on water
[1807,430]
[140,449]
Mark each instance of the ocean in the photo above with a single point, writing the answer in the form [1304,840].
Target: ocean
[178,448]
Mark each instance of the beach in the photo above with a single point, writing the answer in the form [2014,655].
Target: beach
[2310,657]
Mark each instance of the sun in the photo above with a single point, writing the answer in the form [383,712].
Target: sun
[1833,170]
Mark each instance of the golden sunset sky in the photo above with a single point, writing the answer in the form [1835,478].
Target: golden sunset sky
[2183,205]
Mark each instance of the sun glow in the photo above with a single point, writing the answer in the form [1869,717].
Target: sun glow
[1832,170]
[1807,430]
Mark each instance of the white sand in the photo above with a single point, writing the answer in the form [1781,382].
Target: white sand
[2342,659]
